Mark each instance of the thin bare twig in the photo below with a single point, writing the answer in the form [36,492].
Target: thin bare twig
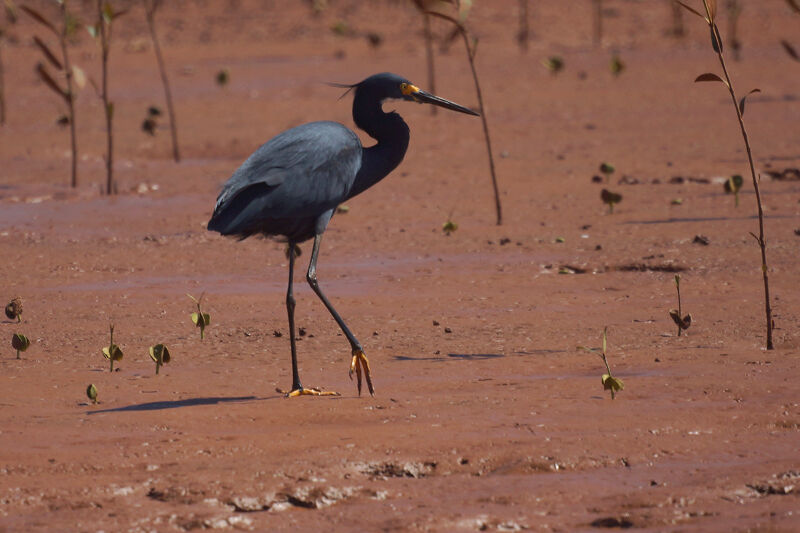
[150,7]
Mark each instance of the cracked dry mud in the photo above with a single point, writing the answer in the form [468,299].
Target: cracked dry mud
[486,417]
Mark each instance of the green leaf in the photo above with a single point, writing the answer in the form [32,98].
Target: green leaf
[734,183]
[449,227]
[611,383]
[741,102]
[20,342]
[195,318]
[112,352]
[160,354]
[606,168]
[206,319]
[107,13]
[91,393]
[708,76]
[681,322]
[716,39]
[93,31]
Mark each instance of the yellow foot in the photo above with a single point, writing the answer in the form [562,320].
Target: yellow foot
[358,363]
[306,392]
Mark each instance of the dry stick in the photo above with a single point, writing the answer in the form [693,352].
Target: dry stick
[760,239]
[105,49]
[471,57]
[429,57]
[73,136]
[150,14]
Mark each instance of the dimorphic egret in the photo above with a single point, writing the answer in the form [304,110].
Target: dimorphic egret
[290,187]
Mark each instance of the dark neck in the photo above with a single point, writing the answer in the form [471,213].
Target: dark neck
[392,135]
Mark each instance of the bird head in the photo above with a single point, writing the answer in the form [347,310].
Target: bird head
[388,86]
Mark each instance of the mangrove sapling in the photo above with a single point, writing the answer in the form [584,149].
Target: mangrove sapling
[20,343]
[150,8]
[611,199]
[160,354]
[422,6]
[112,352]
[11,18]
[449,227]
[91,393]
[732,186]
[471,45]
[610,383]
[73,75]
[683,322]
[200,319]
[14,309]
[710,7]
[101,32]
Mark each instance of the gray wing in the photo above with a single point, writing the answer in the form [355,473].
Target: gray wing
[297,175]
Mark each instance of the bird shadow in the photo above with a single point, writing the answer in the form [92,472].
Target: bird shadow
[174,404]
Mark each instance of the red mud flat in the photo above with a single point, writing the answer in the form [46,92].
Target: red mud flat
[486,417]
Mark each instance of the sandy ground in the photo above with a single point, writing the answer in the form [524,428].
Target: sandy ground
[486,416]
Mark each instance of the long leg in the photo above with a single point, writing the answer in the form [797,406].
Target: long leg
[359,360]
[297,388]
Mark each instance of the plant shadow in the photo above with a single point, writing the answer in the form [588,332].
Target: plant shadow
[174,404]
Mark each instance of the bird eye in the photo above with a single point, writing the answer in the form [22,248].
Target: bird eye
[403,87]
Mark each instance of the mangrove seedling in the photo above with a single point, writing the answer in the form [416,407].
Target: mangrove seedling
[610,383]
[73,75]
[554,64]
[471,45]
[732,186]
[20,343]
[449,227]
[710,7]
[223,77]
[91,393]
[101,32]
[200,319]
[616,65]
[150,8]
[610,198]
[607,170]
[14,309]
[160,354]
[683,322]
[112,352]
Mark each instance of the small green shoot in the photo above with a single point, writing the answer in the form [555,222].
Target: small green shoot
[554,64]
[610,198]
[449,226]
[683,322]
[200,319]
[14,309]
[112,352]
[20,343]
[616,65]
[676,201]
[342,209]
[610,383]
[732,186]
[607,170]
[160,354]
[91,393]
[223,77]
